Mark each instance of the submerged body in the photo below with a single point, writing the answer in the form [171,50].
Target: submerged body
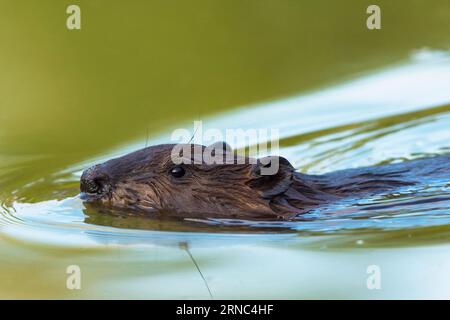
[149,181]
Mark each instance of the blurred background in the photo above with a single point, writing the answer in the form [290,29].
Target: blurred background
[141,66]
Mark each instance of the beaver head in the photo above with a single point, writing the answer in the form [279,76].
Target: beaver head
[150,180]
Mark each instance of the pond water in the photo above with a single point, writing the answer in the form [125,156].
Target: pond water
[391,105]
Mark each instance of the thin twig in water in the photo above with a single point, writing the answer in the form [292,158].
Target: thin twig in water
[184,246]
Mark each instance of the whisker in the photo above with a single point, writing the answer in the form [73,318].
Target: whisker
[146,140]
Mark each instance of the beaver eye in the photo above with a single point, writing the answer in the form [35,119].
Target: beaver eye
[177,172]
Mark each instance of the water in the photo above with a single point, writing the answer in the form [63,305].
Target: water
[392,105]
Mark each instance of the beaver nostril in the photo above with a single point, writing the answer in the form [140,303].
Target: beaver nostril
[94,181]
[92,186]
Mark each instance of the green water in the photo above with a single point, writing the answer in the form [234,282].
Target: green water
[341,96]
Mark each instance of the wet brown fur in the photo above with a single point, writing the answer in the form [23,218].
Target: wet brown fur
[140,181]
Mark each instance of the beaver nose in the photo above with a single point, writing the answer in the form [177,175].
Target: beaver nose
[95,181]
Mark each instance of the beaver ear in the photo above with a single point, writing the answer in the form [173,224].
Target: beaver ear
[273,176]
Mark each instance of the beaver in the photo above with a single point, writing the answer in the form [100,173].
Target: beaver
[149,181]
